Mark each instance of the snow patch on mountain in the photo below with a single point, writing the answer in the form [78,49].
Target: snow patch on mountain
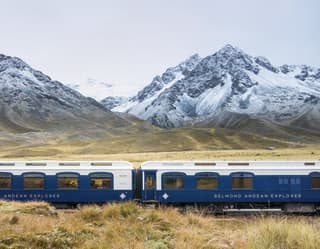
[138,104]
[113,101]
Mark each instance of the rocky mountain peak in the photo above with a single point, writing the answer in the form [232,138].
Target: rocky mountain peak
[227,59]
[171,75]
[228,81]
[7,62]
[229,50]
[30,100]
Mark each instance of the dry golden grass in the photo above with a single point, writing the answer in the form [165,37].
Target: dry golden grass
[128,225]
[93,143]
[41,208]
[293,233]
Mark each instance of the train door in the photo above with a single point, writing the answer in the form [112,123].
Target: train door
[150,185]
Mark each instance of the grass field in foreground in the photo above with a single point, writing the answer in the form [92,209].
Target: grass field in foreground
[37,225]
[118,226]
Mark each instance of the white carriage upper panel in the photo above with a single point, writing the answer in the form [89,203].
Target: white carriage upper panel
[53,167]
[228,167]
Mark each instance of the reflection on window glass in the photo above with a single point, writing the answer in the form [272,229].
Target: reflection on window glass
[207,181]
[67,181]
[315,180]
[101,181]
[149,183]
[242,181]
[173,181]
[33,181]
[5,181]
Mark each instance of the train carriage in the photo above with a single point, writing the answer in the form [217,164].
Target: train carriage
[66,181]
[285,184]
[291,185]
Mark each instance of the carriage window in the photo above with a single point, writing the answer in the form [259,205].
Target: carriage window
[238,164]
[7,164]
[69,164]
[67,181]
[5,181]
[205,164]
[315,180]
[173,181]
[309,164]
[149,183]
[36,164]
[242,181]
[101,181]
[33,181]
[101,164]
[207,181]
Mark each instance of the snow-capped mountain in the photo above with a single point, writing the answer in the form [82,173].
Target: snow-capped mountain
[158,85]
[113,101]
[30,100]
[228,82]
[92,88]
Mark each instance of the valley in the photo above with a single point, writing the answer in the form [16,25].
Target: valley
[44,119]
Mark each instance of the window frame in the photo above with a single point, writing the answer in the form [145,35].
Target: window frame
[171,175]
[242,175]
[201,175]
[59,175]
[312,175]
[8,174]
[24,175]
[106,173]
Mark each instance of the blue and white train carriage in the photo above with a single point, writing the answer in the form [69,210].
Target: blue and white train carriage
[269,183]
[66,181]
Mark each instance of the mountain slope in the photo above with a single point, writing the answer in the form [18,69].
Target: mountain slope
[113,101]
[139,104]
[230,81]
[30,100]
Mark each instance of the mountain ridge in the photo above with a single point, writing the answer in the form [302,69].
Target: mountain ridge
[229,81]
[32,101]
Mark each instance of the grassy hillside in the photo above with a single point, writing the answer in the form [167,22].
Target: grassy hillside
[142,139]
[138,136]
[130,226]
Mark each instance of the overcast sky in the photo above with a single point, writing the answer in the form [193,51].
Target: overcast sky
[128,42]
